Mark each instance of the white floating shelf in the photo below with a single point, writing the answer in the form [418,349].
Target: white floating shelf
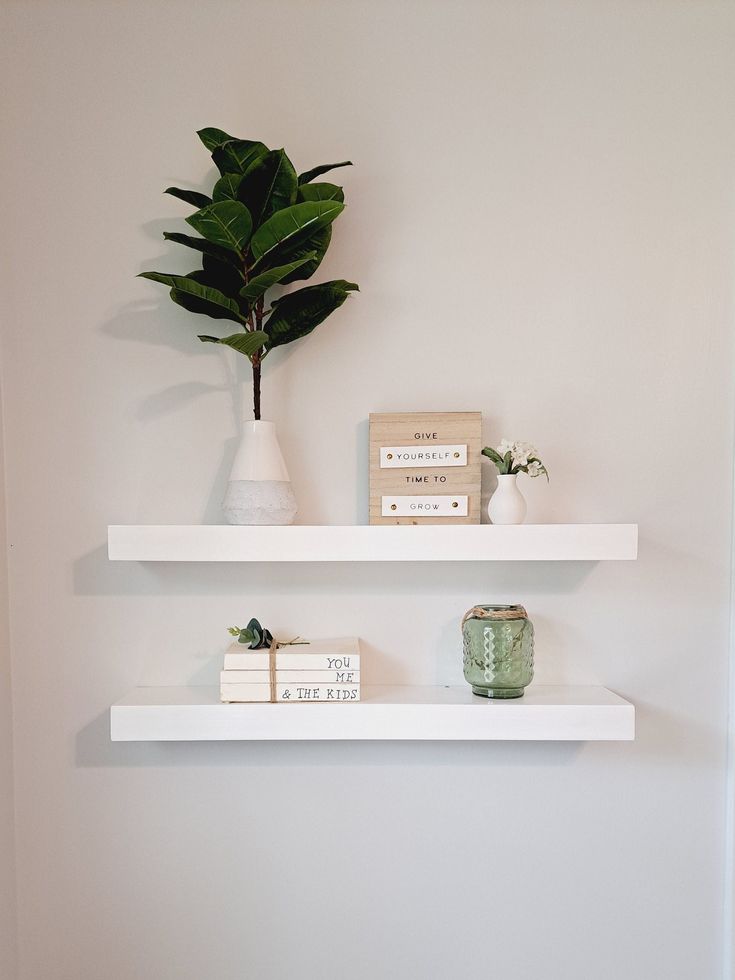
[439,542]
[183,714]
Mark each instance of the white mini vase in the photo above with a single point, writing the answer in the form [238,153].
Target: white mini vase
[507,505]
[259,491]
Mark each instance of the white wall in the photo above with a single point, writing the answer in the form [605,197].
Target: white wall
[541,220]
[8,917]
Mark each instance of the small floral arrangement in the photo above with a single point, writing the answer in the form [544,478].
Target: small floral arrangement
[516,457]
[257,637]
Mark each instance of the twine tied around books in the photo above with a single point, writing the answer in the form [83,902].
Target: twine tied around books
[272,668]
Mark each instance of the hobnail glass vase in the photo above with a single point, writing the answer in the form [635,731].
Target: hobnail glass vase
[497,650]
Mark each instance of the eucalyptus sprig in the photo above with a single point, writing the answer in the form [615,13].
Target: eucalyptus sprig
[263,226]
[516,457]
[253,635]
[257,637]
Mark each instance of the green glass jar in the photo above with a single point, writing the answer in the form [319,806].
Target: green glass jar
[498,650]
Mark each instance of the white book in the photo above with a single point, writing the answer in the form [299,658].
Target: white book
[335,693]
[330,644]
[260,660]
[290,676]
[339,654]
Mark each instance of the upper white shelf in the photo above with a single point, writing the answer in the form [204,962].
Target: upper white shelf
[178,714]
[302,543]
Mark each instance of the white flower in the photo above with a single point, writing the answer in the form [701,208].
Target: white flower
[520,455]
[522,452]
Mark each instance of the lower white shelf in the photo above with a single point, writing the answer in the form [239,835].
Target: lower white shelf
[392,713]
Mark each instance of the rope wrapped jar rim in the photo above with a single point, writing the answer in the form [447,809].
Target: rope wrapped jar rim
[494,613]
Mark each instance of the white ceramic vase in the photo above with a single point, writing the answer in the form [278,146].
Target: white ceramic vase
[259,491]
[507,505]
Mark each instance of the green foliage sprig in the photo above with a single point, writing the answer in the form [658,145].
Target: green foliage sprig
[257,637]
[263,226]
[253,635]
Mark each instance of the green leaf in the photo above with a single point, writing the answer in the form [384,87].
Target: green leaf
[222,275]
[226,187]
[226,223]
[162,277]
[317,243]
[257,286]
[296,314]
[309,175]
[213,137]
[235,156]
[218,306]
[320,192]
[291,227]
[194,304]
[202,245]
[260,637]
[268,186]
[191,197]
[493,455]
[246,343]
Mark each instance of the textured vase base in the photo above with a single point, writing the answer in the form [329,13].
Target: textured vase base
[259,502]
[498,693]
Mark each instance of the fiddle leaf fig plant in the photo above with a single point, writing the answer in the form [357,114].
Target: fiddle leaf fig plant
[264,227]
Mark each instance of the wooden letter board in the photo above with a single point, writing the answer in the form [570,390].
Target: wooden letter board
[429,455]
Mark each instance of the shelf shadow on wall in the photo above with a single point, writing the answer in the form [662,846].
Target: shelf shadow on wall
[94,574]
[159,323]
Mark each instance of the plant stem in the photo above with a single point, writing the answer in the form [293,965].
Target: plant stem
[246,279]
[257,360]
[256,386]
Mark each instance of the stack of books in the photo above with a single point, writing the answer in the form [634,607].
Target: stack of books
[321,670]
